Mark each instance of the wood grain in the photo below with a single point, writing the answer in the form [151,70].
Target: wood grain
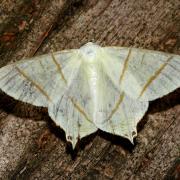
[31,146]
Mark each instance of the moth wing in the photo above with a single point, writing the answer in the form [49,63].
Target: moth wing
[55,81]
[73,110]
[143,74]
[117,113]
[35,80]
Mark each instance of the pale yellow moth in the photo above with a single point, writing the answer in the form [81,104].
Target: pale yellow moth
[94,87]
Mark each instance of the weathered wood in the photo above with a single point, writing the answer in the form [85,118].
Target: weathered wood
[31,146]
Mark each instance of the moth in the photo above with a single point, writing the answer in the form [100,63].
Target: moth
[94,87]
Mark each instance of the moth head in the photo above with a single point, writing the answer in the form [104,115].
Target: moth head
[90,50]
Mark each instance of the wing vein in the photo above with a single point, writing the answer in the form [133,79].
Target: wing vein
[6,75]
[155,75]
[120,100]
[80,109]
[125,66]
[142,59]
[41,90]
[58,68]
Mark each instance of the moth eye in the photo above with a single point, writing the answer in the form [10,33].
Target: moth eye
[134,133]
[69,138]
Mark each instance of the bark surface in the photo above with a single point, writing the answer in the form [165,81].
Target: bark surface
[31,146]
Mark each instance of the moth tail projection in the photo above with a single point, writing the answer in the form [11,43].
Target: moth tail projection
[123,118]
[70,115]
